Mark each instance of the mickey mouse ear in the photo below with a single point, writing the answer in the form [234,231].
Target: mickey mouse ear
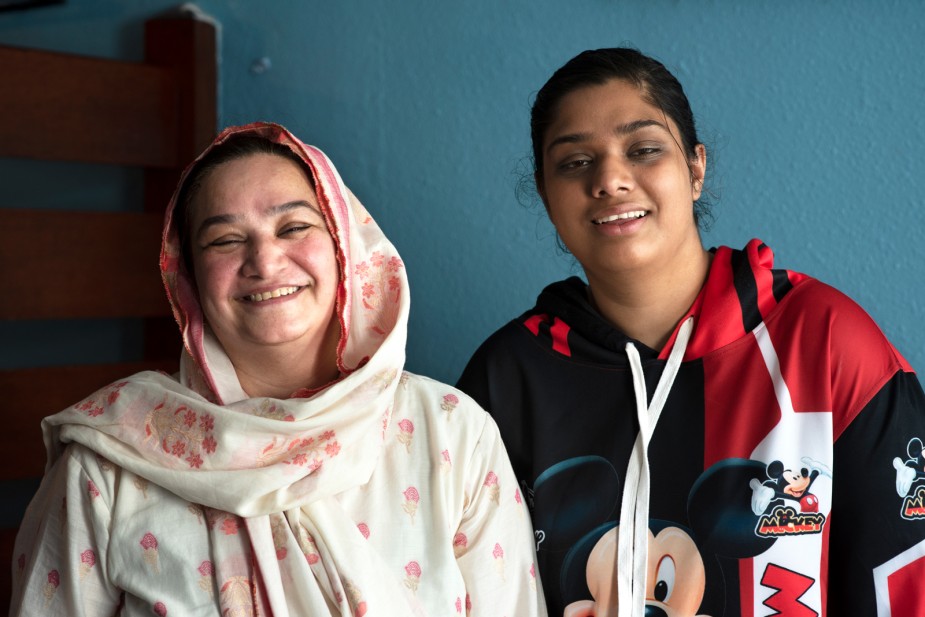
[719,509]
[915,447]
[573,580]
[573,497]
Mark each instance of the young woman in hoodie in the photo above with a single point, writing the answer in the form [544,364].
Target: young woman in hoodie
[697,432]
[291,467]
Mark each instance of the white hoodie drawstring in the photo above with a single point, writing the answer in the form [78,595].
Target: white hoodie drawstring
[633,538]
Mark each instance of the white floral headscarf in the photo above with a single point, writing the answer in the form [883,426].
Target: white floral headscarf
[276,463]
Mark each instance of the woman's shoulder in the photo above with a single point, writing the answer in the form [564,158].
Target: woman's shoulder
[448,413]
[431,394]
[830,321]
[824,304]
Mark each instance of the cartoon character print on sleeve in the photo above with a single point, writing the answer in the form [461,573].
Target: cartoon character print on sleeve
[773,499]
[910,480]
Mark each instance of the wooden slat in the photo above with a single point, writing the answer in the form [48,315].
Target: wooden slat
[7,538]
[62,264]
[188,48]
[75,108]
[31,394]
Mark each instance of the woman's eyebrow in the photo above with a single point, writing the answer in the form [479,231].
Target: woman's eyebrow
[218,219]
[222,219]
[622,129]
[292,205]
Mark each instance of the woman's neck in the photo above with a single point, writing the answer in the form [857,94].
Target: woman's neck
[647,305]
[279,370]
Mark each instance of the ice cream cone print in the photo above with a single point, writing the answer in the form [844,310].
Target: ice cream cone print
[494,490]
[206,570]
[160,609]
[54,579]
[411,501]
[406,433]
[532,577]
[279,530]
[364,529]
[498,554]
[236,596]
[149,546]
[468,604]
[460,541]
[459,606]
[87,561]
[142,485]
[413,572]
[519,501]
[445,463]
[308,546]
[355,599]
[450,401]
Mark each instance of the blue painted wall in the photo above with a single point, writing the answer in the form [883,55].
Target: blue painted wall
[812,113]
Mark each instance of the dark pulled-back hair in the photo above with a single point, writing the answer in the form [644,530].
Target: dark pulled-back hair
[236,146]
[596,67]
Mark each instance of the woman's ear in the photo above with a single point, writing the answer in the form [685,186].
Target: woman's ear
[698,166]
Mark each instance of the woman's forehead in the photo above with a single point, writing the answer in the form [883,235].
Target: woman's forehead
[259,182]
[616,106]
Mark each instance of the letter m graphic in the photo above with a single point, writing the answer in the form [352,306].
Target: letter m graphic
[790,587]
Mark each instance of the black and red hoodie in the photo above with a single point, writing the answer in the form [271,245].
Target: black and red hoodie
[787,472]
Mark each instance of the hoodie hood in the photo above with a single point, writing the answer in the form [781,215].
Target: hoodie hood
[742,288]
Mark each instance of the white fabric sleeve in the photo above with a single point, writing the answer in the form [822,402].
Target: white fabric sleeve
[59,560]
[494,543]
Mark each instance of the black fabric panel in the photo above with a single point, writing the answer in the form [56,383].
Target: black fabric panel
[746,289]
[867,528]
[781,284]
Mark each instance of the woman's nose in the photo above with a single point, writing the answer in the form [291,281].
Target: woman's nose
[611,176]
[263,258]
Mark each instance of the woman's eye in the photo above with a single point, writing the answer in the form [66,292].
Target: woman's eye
[224,241]
[644,152]
[294,229]
[574,164]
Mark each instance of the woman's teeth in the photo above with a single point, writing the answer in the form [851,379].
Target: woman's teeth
[638,214]
[276,293]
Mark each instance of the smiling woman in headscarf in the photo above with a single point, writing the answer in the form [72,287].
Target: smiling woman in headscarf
[291,467]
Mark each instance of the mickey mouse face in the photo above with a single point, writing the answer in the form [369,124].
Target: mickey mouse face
[675,579]
[795,484]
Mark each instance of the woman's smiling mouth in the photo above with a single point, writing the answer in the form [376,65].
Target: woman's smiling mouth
[626,216]
[268,295]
